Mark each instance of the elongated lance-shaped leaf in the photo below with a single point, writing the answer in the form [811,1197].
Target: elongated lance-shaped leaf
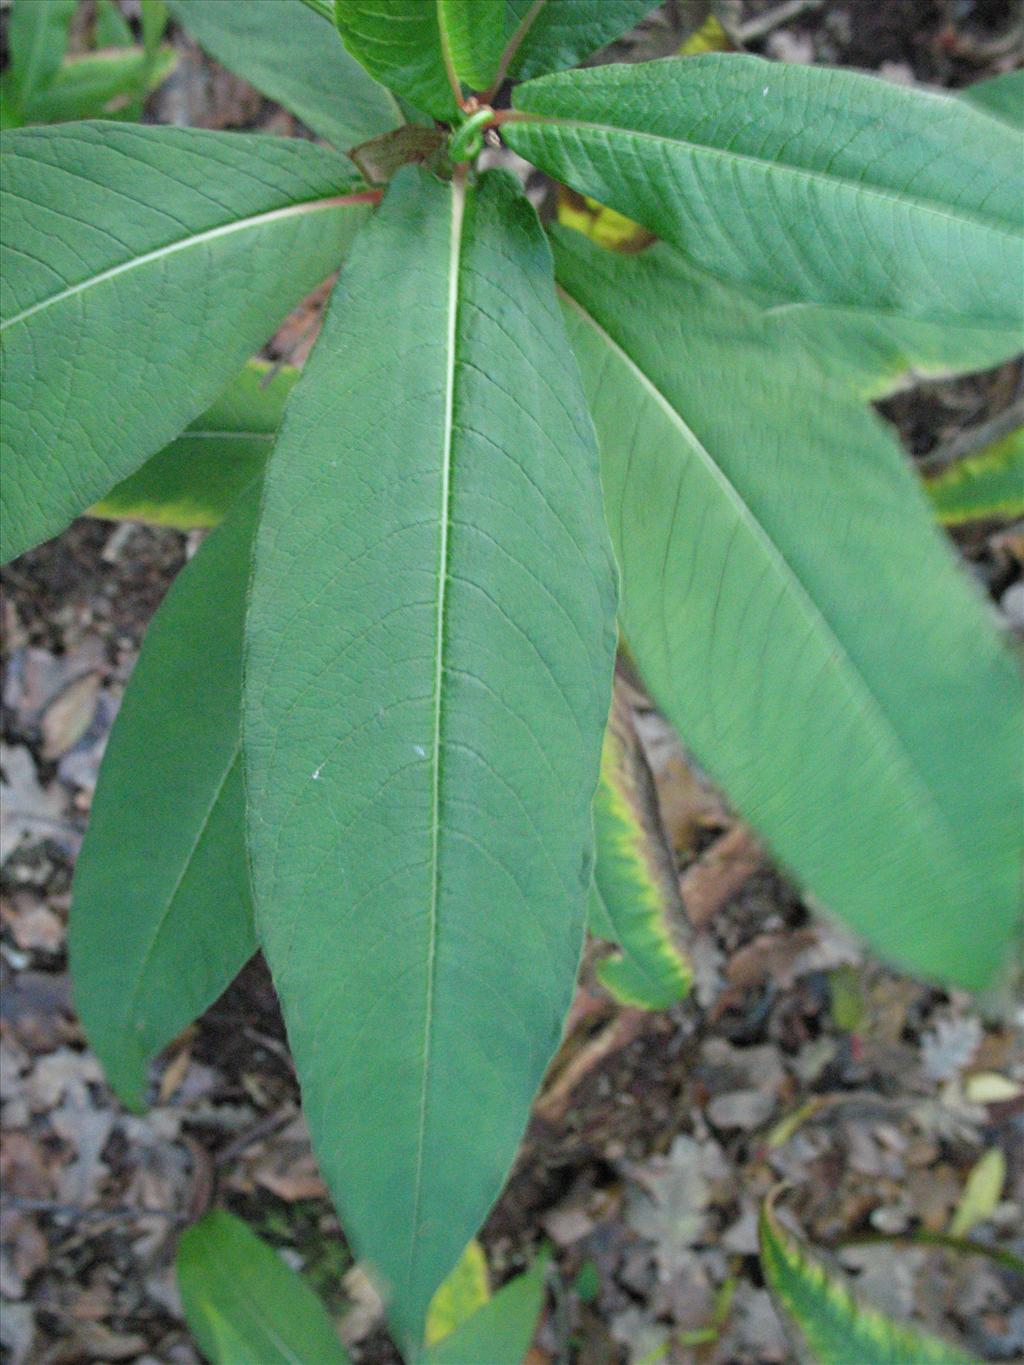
[560,33]
[198,477]
[38,38]
[797,615]
[501,1331]
[831,1322]
[283,49]
[244,1305]
[989,484]
[814,184]
[400,43]
[635,900]
[109,227]
[430,643]
[161,917]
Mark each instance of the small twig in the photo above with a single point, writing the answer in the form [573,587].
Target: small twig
[973,439]
[267,1126]
[763,24]
[15,1204]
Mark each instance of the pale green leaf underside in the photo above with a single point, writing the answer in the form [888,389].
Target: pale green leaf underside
[812,184]
[195,480]
[108,227]
[244,1305]
[500,1332]
[399,43]
[284,50]
[428,671]
[161,916]
[835,1325]
[989,484]
[635,900]
[798,617]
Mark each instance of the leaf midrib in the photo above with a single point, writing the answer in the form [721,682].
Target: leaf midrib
[936,816]
[766,167]
[183,244]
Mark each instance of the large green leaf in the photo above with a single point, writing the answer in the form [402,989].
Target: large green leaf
[283,48]
[38,37]
[989,484]
[429,656]
[797,615]
[399,42]
[500,1332]
[109,228]
[100,84]
[563,32]
[832,1323]
[199,476]
[244,1305]
[814,184]
[635,899]
[161,917]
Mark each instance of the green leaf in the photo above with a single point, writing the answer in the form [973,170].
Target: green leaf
[244,1305]
[154,21]
[1001,96]
[399,43]
[563,32]
[989,484]
[112,28]
[459,1296]
[430,643]
[797,615]
[812,184]
[284,50]
[38,37]
[635,899]
[162,873]
[475,34]
[198,477]
[836,1327]
[100,83]
[108,228]
[501,1331]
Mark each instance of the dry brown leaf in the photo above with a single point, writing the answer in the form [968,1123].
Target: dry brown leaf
[69,715]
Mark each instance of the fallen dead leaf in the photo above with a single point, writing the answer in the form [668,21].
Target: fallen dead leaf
[69,715]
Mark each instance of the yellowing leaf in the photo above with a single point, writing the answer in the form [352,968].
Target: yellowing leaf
[609,229]
[710,37]
[989,484]
[981,1194]
[464,1291]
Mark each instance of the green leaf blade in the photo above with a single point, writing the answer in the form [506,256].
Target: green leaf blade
[501,1331]
[162,873]
[225,233]
[281,46]
[811,184]
[420,778]
[244,1305]
[400,45]
[194,482]
[563,32]
[989,484]
[38,40]
[100,84]
[767,599]
[834,1324]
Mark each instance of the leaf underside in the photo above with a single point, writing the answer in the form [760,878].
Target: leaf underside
[106,228]
[428,669]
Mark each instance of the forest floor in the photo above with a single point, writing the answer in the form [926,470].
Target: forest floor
[800,1058]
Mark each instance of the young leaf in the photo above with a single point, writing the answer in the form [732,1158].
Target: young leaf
[399,43]
[428,667]
[501,1331]
[989,484]
[99,83]
[162,873]
[244,1305]
[465,1290]
[812,184]
[282,47]
[107,228]
[197,478]
[635,900]
[560,33]
[796,614]
[38,37]
[833,1323]
[474,35]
